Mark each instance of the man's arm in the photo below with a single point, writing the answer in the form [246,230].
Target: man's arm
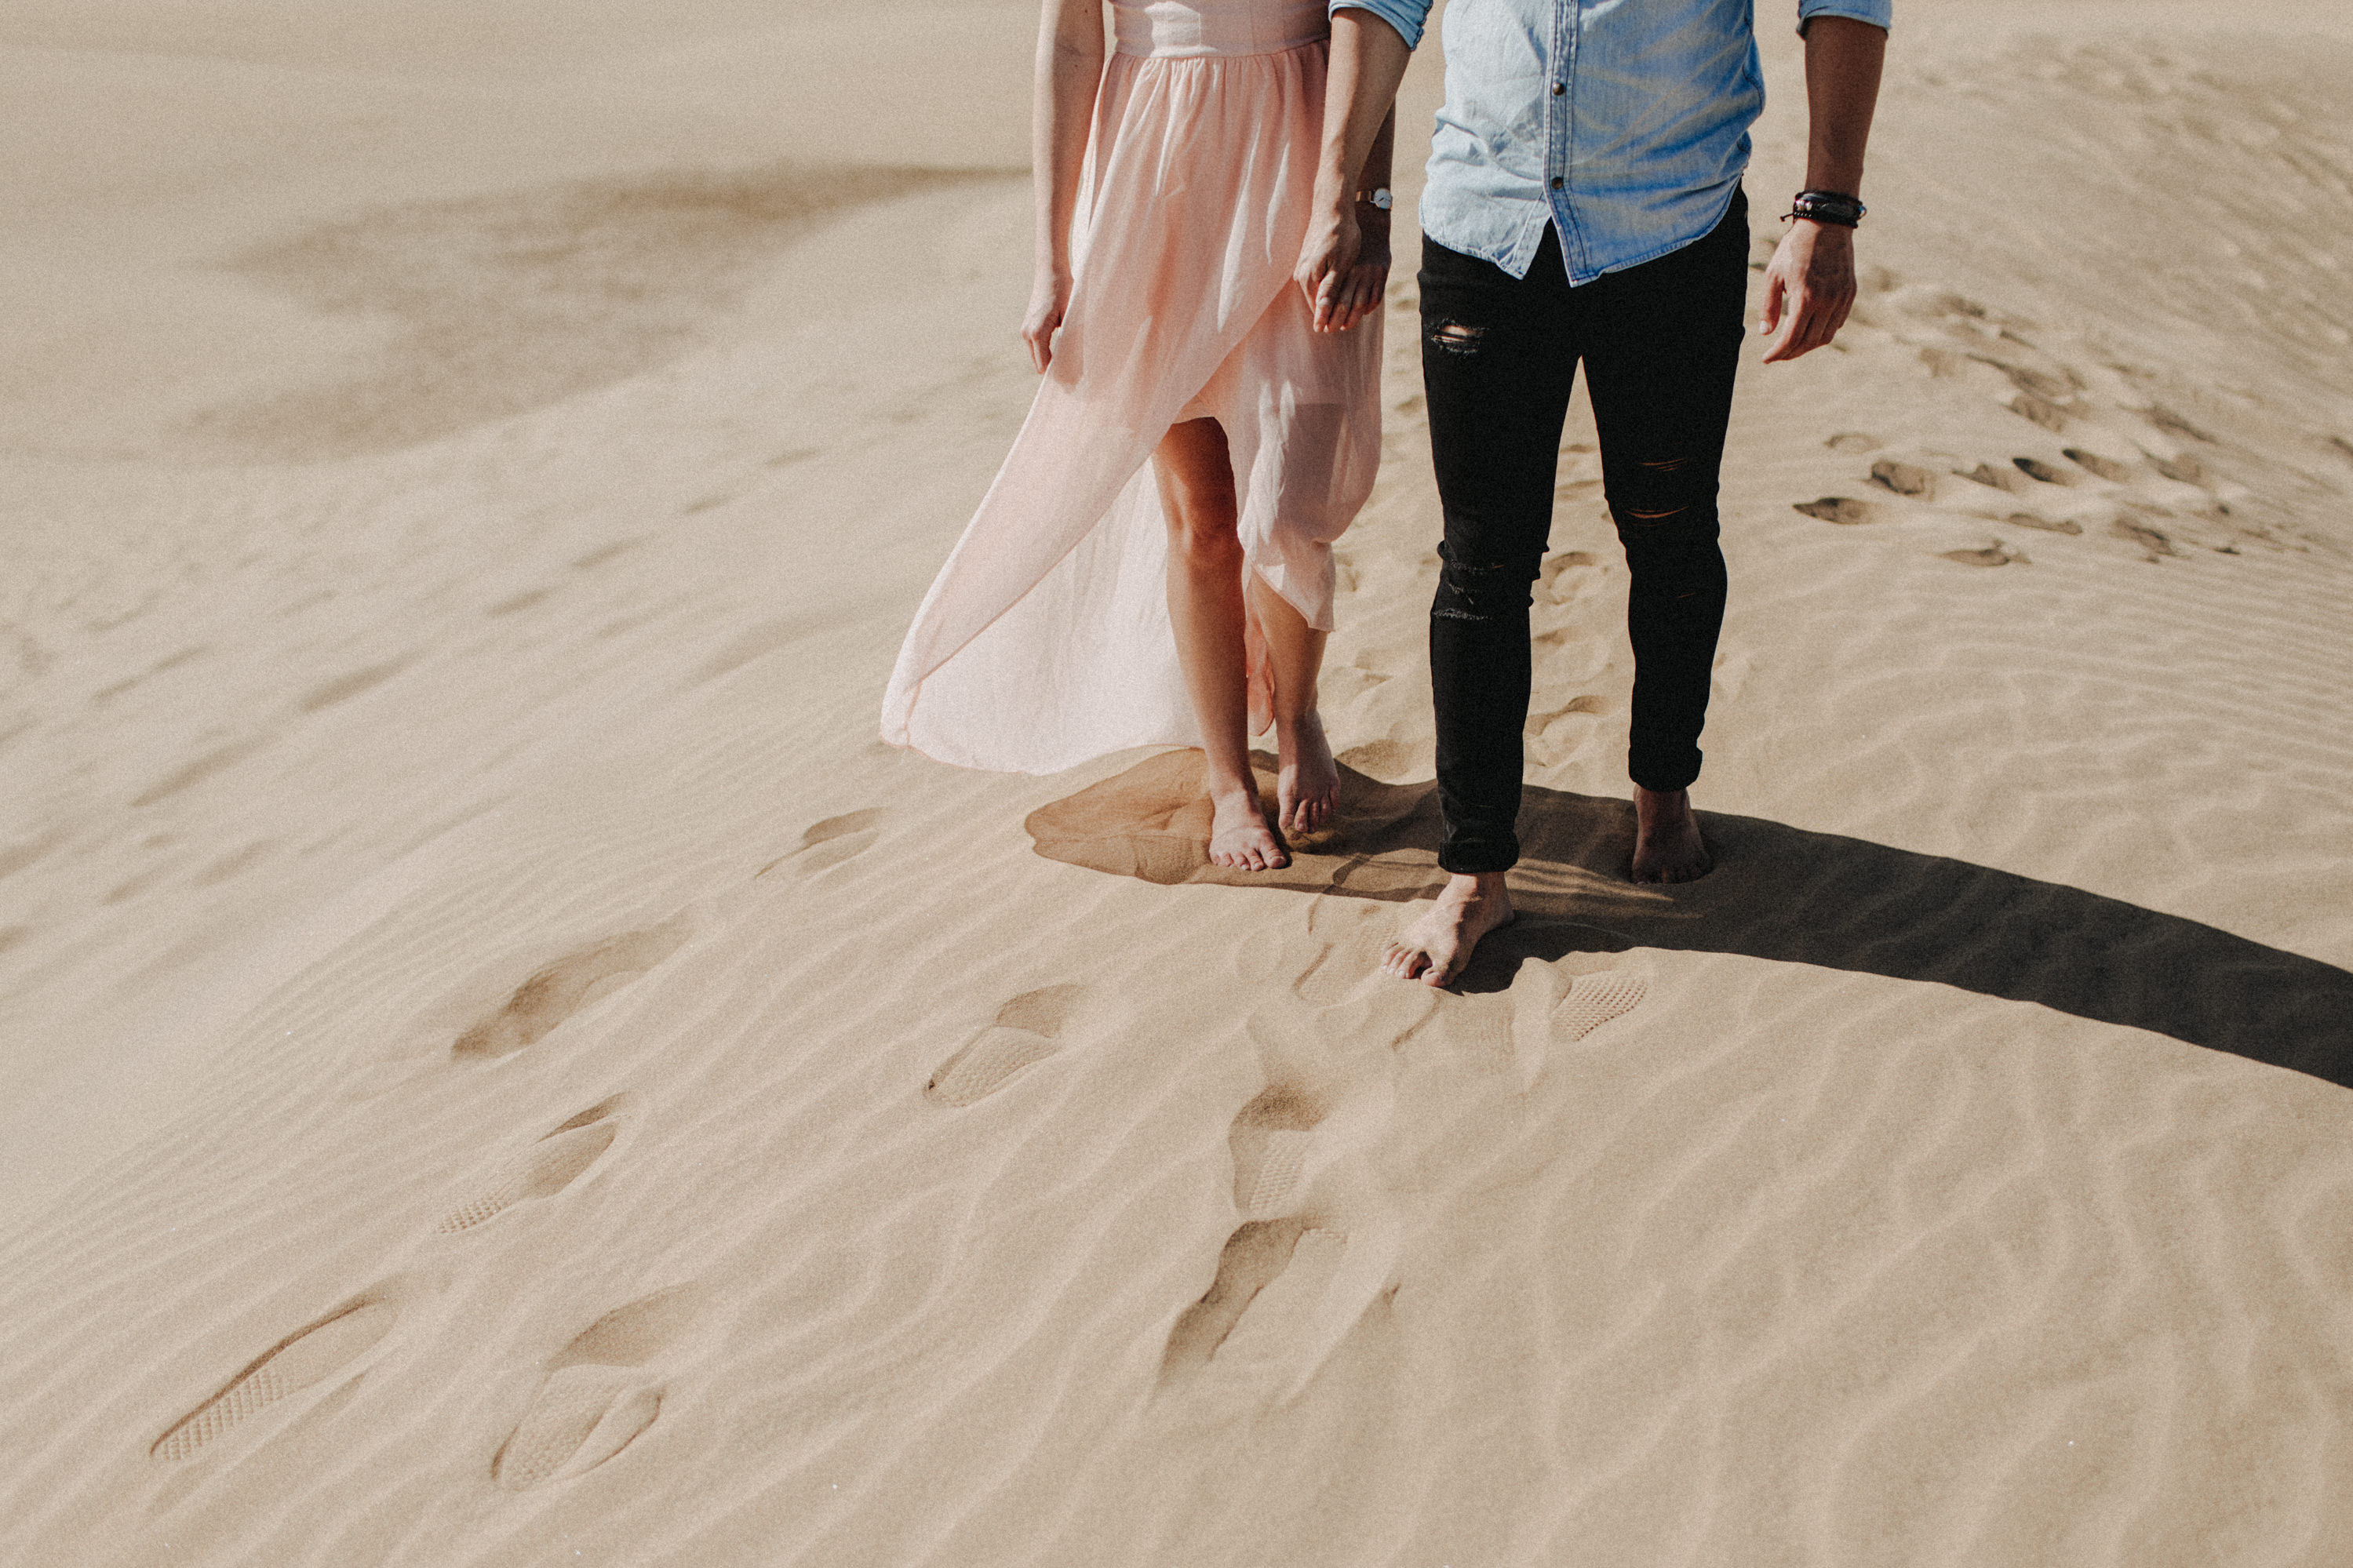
[1812,278]
[1367,62]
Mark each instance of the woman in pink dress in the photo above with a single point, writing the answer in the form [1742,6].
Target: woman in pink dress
[1152,564]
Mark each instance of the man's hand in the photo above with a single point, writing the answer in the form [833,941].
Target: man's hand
[1809,288]
[1049,296]
[1343,266]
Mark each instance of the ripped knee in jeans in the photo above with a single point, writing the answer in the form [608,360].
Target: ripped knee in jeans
[1455,337]
[1487,592]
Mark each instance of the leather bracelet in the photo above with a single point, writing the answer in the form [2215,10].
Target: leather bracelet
[1827,207]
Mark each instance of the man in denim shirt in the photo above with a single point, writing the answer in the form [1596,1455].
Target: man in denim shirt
[1584,203]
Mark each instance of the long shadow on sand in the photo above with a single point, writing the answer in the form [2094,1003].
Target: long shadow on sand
[1778,892]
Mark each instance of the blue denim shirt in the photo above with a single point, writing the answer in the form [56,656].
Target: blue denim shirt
[1624,121]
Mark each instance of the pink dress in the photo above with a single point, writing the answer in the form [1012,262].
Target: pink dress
[1045,639]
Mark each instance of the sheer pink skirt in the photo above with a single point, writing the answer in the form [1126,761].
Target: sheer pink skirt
[1045,640]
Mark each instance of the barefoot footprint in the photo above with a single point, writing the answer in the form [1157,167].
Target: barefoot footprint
[302,1358]
[1287,1293]
[568,986]
[1254,1256]
[596,1399]
[830,842]
[1023,1035]
[546,1168]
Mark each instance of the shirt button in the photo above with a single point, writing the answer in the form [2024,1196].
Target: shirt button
[1560,87]
[1556,181]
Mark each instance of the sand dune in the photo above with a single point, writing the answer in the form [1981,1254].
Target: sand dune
[502,1068]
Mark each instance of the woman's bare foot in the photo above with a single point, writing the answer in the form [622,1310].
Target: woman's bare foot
[1667,844]
[1436,948]
[1309,781]
[1239,838]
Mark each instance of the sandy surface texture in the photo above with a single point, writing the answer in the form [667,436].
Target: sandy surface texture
[500,1065]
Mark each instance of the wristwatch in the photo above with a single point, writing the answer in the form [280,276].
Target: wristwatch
[1379,197]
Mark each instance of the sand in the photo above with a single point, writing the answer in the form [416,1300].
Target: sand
[503,1067]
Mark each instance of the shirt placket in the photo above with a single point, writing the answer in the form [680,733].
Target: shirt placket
[1560,120]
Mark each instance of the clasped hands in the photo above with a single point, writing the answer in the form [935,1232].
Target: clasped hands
[1344,264]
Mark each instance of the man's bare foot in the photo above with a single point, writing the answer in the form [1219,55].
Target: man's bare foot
[1436,948]
[1239,838]
[1308,782]
[1667,845]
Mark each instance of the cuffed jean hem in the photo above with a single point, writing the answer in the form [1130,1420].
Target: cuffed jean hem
[1663,778]
[1479,858]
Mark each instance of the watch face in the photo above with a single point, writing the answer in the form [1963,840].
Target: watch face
[1382,199]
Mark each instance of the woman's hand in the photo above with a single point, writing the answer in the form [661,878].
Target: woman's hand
[1049,296]
[1343,266]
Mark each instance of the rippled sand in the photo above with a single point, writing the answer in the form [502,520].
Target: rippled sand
[502,1066]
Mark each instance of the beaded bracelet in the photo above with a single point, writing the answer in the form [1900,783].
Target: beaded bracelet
[1827,207]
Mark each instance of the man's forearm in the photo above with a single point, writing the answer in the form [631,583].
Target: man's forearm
[1368,60]
[1384,152]
[1843,64]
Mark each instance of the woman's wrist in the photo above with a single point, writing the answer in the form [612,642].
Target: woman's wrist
[1332,193]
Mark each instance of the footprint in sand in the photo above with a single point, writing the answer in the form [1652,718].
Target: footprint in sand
[2173,424]
[1272,1139]
[1561,576]
[1551,1009]
[1024,1035]
[1594,1000]
[1995,477]
[2090,462]
[2035,469]
[1839,510]
[563,988]
[1287,1293]
[543,1170]
[1904,479]
[302,1358]
[1255,1257]
[596,1398]
[2047,525]
[2040,410]
[2153,543]
[830,842]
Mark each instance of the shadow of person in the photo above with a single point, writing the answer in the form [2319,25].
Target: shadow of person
[1778,892]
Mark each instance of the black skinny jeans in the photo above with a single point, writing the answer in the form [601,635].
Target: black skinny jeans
[1499,355]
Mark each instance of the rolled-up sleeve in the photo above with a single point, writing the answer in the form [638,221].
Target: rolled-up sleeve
[1407,16]
[1880,14]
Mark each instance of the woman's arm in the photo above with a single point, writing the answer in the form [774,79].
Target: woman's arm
[1345,263]
[1069,75]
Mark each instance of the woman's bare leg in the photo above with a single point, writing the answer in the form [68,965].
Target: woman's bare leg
[1205,605]
[1309,779]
